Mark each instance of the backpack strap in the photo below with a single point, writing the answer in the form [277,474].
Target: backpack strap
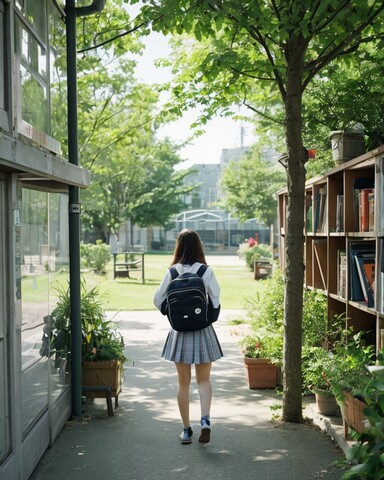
[202,270]
[174,272]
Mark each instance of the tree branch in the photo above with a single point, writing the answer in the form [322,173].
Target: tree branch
[258,37]
[118,138]
[87,49]
[338,50]
[255,77]
[261,113]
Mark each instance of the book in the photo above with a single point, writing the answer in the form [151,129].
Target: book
[309,219]
[371,211]
[364,209]
[322,205]
[308,213]
[341,286]
[367,250]
[358,185]
[366,271]
[340,212]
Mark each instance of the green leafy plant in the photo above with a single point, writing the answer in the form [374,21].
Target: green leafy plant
[265,345]
[251,251]
[265,312]
[100,339]
[314,318]
[349,361]
[95,256]
[316,364]
[365,458]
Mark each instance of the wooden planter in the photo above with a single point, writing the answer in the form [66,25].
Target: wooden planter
[260,373]
[353,413]
[102,380]
[102,374]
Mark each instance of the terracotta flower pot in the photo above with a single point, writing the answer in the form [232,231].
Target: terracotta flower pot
[326,404]
[260,373]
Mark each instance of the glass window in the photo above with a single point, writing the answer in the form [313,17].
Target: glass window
[34,101]
[41,55]
[33,79]
[58,75]
[44,266]
[37,18]
[19,5]
[2,50]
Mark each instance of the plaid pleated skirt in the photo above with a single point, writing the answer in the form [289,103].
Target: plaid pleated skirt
[201,346]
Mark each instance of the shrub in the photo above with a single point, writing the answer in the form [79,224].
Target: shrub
[314,318]
[253,251]
[266,314]
[95,256]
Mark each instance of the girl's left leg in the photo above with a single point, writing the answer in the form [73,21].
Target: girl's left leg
[203,378]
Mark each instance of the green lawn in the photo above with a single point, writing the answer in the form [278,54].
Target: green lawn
[236,282]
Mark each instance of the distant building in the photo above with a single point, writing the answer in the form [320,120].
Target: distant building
[206,177]
[229,154]
[216,227]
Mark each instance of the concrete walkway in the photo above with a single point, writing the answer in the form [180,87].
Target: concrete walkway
[141,441]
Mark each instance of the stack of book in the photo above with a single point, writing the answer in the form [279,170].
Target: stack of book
[363,204]
[362,273]
[321,217]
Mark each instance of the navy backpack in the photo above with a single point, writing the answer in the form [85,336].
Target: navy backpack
[187,304]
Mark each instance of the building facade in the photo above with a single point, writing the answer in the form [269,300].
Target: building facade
[219,231]
[35,175]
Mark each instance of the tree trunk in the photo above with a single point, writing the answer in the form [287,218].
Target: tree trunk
[294,274]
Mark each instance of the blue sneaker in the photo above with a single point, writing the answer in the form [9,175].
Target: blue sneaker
[186,436]
[205,435]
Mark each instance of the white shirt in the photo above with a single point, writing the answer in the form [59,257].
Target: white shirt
[209,279]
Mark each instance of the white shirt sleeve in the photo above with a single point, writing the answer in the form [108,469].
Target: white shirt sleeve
[160,293]
[212,287]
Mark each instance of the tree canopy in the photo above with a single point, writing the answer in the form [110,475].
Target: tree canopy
[133,175]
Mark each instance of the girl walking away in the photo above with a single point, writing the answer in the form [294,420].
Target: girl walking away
[198,347]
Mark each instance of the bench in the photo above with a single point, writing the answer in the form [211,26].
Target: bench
[124,263]
[32,264]
[263,269]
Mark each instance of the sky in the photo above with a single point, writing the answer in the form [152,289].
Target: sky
[220,133]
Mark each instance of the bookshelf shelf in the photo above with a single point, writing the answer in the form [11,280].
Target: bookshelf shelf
[344,241]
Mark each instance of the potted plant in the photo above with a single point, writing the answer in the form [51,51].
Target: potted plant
[102,345]
[349,377]
[261,356]
[316,365]
[365,457]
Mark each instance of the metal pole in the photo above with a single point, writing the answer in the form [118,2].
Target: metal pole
[74,213]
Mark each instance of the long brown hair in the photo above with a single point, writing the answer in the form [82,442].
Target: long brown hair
[188,249]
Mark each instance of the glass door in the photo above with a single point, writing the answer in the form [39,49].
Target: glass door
[4,346]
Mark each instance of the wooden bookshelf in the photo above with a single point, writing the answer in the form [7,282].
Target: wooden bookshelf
[344,240]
